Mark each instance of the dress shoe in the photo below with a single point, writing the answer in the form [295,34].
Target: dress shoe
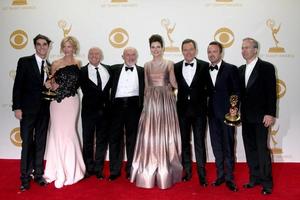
[186,177]
[231,186]
[266,191]
[100,176]
[113,177]
[24,187]
[218,182]
[40,180]
[128,176]
[203,182]
[250,185]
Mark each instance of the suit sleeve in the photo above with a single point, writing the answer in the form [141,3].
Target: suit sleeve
[172,75]
[270,83]
[235,82]
[17,88]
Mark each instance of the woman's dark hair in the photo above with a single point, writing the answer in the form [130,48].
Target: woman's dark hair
[156,38]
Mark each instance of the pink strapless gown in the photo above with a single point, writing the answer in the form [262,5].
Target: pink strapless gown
[64,163]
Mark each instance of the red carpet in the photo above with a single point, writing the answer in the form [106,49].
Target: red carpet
[286,187]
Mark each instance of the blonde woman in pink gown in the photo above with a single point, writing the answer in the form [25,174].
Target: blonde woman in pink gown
[64,161]
[157,156]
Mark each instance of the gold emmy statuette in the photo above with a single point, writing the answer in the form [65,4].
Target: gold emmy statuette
[49,94]
[271,25]
[275,150]
[233,120]
[166,24]
[62,24]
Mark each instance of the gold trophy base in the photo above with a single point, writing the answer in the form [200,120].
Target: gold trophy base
[232,120]
[172,49]
[276,150]
[276,50]
[49,95]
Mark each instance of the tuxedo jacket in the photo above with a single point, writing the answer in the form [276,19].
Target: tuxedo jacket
[116,72]
[93,98]
[28,86]
[258,97]
[195,95]
[227,84]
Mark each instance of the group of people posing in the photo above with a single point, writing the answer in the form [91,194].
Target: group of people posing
[156,108]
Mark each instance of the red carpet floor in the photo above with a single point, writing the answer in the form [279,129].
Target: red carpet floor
[286,187]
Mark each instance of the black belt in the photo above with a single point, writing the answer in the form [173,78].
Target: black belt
[127,100]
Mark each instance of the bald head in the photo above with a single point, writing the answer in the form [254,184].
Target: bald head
[130,56]
[95,56]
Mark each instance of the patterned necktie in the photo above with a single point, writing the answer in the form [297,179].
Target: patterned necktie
[99,82]
[42,71]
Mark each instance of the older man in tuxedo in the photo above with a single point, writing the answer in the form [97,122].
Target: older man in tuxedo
[192,78]
[258,111]
[95,85]
[224,82]
[32,111]
[127,102]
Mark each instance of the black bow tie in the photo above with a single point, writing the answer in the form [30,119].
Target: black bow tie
[129,68]
[189,64]
[212,68]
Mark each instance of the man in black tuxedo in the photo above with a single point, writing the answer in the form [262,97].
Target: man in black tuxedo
[95,86]
[192,77]
[224,83]
[258,111]
[127,102]
[32,111]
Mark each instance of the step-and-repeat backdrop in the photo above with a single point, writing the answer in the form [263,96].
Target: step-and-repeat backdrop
[114,24]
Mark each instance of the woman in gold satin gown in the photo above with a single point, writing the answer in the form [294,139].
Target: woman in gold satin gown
[157,156]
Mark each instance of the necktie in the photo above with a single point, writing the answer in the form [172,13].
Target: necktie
[189,64]
[128,68]
[99,83]
[42,71]
[212,68]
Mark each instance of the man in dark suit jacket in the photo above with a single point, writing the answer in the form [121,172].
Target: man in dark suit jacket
[32,111]
[224,83]
[192,76]
[95,85]
[127,102]
[258,111]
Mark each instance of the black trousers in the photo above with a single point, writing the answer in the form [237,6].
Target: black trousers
[95,131]
[124,119]
[33,134]
[222,142]
[197,123]
[255,138]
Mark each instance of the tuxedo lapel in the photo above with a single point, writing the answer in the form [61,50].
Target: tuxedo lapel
[220,72]
[253,75]
[116,80]
[180,74]
[198,71]
[36,69]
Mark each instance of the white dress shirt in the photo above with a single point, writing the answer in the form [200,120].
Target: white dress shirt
[128,84]
[249,69]
[104,75]
[188,71]
[214,73]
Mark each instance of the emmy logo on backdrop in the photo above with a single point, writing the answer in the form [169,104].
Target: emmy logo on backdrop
[230,119]
[119,1]
[275,149]
[166,24]
[49,94]
[62,24]
[271,25]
